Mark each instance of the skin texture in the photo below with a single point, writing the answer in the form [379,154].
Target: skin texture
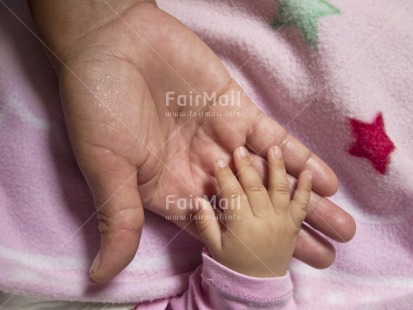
[116,61]
[261,226]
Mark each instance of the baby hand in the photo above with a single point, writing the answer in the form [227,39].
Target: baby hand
[261,227]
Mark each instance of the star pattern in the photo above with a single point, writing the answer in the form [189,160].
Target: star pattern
[372,142]
[303,14]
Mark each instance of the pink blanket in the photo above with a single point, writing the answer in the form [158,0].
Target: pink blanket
[338,74]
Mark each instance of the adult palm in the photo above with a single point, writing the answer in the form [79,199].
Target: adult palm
[119,81]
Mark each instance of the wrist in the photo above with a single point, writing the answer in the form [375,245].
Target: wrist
[62,23]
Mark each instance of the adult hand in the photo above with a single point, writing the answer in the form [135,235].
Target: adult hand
[119,63]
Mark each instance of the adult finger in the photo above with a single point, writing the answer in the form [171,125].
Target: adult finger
[297,157]
[113,183]
[331,220]
[313,249]
[326,217]
[258,132]
[323,215]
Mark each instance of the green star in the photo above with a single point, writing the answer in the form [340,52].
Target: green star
[304,15]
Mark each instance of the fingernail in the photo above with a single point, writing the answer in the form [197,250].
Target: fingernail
[201,203]
[95,263]
[221,163]
[243,151]
[310,176]
[277,152]
[198,202]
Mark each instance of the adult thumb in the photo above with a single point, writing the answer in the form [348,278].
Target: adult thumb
[113,182]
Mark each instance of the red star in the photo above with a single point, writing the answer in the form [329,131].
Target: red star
[372,142]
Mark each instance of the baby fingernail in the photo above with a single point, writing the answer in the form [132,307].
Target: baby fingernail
[201,203]
[221,163]
[277,152]
[243,151]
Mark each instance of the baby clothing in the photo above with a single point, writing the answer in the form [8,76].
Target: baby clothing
[214,286]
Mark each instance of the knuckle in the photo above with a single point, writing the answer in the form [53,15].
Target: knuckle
[202,225]
[255,186]
[304,188]
[104,222]
[280,200]
[302,202]
[234,191]
[225,172]
[235,201]
[281,188]
[127,219]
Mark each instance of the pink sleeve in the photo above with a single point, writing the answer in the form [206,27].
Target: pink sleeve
[214,286]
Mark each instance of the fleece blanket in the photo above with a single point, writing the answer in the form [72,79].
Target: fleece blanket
[338,74]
